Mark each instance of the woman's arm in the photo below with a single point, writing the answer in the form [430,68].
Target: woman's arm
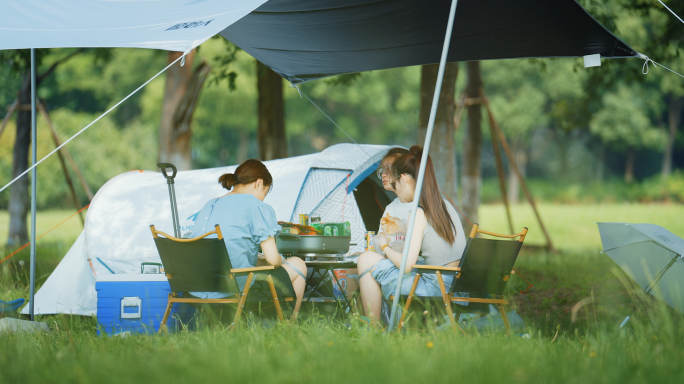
[270,250]
[416,243]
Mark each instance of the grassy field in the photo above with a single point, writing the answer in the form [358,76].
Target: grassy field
[591,348]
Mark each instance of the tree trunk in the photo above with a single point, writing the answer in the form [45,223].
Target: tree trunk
[674,119]
[19,200]
[629,166]
[442,147]
[174,140]
[472,146]
[271,110]
[513,181]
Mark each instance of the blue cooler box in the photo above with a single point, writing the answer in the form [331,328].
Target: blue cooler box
[136,303]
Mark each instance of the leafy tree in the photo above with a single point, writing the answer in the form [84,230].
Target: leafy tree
[624,122]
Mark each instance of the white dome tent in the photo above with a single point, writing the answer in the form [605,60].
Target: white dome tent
[117,239]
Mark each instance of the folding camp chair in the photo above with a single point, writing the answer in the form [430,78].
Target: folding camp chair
[483,272]
[202,265]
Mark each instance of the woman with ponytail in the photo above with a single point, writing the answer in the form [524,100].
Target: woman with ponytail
[247,223]
[437,236]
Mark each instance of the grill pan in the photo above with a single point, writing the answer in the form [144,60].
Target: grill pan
[300,245]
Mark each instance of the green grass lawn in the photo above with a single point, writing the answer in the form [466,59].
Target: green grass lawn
[592,348]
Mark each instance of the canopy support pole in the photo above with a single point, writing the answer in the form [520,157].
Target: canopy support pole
[423,162]
[33,184]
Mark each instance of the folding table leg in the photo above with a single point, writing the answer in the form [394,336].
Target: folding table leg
[275,298]
[447,304]
[162,326]
[409,299]
[502,310]
[241,302]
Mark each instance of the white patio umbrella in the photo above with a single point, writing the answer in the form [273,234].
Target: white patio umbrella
[649,254]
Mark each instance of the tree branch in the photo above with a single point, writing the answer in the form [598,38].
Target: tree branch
[54,66]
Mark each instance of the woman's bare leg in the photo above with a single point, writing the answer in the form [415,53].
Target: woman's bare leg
[352,287]
[298,282]
[371,293]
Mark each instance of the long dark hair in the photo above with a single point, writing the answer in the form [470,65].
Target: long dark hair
[393,153]
[430,199]
[247,173]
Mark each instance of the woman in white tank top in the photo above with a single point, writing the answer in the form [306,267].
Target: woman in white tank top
[437,233]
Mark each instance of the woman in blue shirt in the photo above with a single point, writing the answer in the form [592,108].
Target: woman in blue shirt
[248,223]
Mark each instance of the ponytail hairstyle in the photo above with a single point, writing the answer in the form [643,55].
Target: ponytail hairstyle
[247,173]
[430,198]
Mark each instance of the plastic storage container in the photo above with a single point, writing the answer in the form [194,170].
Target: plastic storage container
[136,303]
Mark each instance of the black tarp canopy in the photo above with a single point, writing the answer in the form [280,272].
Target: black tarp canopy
[308,39]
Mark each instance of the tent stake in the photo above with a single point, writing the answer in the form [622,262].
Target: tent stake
[33,184]
[423,162]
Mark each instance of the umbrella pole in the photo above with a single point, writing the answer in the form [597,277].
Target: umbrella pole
[33,184]
[423,162]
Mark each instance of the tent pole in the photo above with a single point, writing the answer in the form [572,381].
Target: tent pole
[423,161]
[33,184]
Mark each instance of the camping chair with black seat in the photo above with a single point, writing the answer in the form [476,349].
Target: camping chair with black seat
[202,264]
[483,273]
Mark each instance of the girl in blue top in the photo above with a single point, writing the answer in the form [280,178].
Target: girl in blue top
[247,223]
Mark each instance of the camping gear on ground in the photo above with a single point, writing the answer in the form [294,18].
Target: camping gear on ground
[493,322]
[117,231]
[172,195]
[326,281]
[135,303]
[12,325]
[484,270]
[298,245]
[649,254]
[203,265]
[11,306]
[151,268]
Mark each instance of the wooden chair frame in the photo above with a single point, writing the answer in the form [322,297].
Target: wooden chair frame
[448,297]
[242,296]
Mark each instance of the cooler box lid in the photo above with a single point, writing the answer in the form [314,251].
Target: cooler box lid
[132,277]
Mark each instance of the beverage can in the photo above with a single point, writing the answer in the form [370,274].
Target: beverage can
[339,290]
[327,231]
[316,223]
[369,241]
[335,230]
[303,219]
[346,229]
